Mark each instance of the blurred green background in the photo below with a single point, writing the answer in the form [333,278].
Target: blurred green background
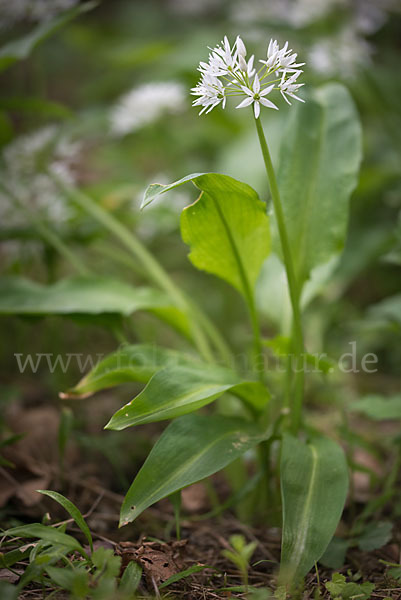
[105,100]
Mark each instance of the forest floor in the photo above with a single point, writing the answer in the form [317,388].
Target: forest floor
[151,541]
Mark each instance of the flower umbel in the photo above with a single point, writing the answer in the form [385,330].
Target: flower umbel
[229,73]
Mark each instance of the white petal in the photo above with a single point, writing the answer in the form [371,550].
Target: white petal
[266,90]
[285,98]
[241,47]
[267,103]
[256,84]
[296,97]
[245,102]
[247,91]
[250,65]
[242,63]
[256,108]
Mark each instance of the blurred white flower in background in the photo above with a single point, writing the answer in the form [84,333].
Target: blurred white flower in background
[36,11]
[145,104]
[24,170]
[344,49]
[296,13]
[341,55]
[228,73]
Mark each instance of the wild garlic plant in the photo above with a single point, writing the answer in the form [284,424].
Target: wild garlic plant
[231,232]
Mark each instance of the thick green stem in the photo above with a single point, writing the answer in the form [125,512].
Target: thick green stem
[298,344]
[154,272]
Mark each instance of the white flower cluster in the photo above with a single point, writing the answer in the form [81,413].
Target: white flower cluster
[229,73]
[145,104]
[25,165]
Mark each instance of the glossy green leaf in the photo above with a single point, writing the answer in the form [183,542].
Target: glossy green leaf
[179,390]
[136,362]
[314,483]
[85,295]
[318,169]
[378,408]
[46,533]
[227,228]
[22,47]
[190,449]
[73,511]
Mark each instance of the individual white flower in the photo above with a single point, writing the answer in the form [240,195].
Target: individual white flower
[241,49]
[288,87]
[256,97]
[145,104]
[228,56]
[211,92]
[228,73]
[280,59]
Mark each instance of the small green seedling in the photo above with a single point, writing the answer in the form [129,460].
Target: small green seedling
[240,555]
[340,589]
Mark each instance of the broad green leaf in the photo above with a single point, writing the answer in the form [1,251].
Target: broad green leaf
[378,408]
[335,553]
[131,578]
[86,295]
[8,591]
[179,390]
[155,189]
[314,483]
[318,169]
[227,228]
[46,533]
[190,449]
[375,536]
[65,577]
[73,511]
[22,47]
[137,362]
[10,558]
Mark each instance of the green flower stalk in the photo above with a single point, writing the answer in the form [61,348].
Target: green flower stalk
[229,73]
